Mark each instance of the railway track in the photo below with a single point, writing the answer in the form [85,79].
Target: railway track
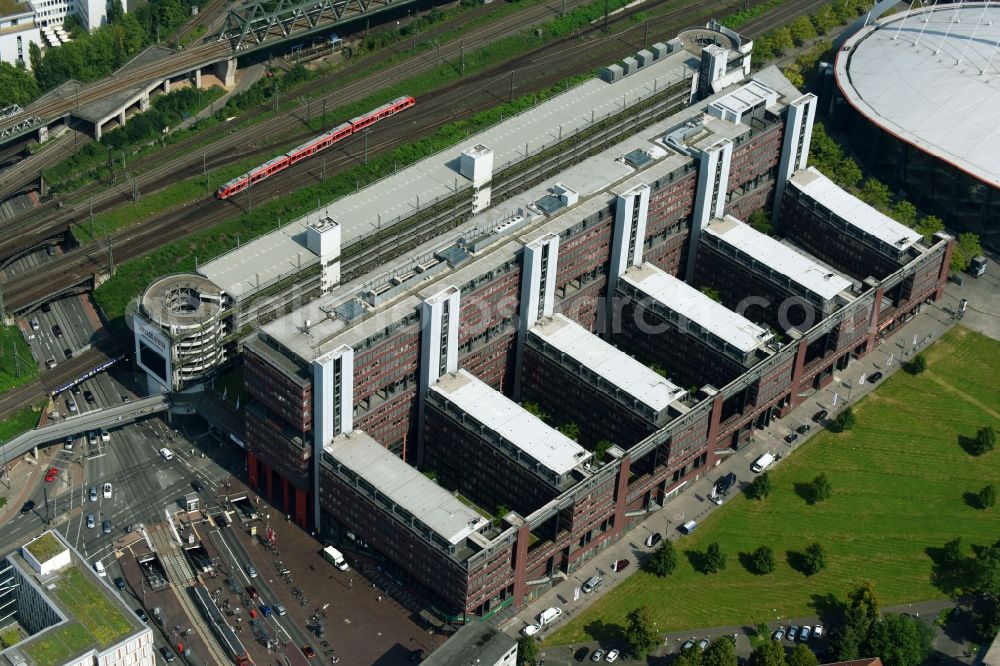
[545,65]
[781,16]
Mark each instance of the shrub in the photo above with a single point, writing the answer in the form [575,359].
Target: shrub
[762,561]
[987,497]
[760,488]
[916,365]
[814,559]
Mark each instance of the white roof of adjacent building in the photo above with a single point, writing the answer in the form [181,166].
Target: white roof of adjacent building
[263,259]
[615,366]
[929,84]
[402,484]
[747,96]
[695,306]
[552,449]
[852,210]
[780,258]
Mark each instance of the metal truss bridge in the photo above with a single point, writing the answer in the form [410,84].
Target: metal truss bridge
[259,23]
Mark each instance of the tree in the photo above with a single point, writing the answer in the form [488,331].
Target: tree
[115,12]
[527,651]
[640,632]
[715,559]
[876,194]
[664,560]
[722,652]
[987,497]
[847,173]
[820,489]
[794,75]
[802,30]
[985,441]
[929,225]
[862,610]
[17,85]
[762,561]
[966,247]
[905,213]
[535,409]
[844,421]
[712,293]
[899,640]
[801,656]
[34,56]
[601,448]
[781,40]
[824,19]
[693,656]
[988,621]
[571,429]
[760,220]
[760,487]
[771,653]
[815,559]
[916,365]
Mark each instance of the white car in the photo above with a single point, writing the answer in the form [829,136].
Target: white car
[105,435]
[91,438]
[107,491]
[34,325]
[531,630]
[818,631]
[612,655]
[167,454]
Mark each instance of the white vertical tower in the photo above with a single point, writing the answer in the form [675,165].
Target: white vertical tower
[540,262]
[629,236]
[439,316]
[323,240]
[333,406]
[476,164]
[795,151]
[710,199]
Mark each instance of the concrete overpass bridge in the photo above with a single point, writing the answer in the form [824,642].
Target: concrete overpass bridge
[252,26]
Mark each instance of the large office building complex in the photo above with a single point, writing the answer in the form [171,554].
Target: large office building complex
[584,333]
[916,98]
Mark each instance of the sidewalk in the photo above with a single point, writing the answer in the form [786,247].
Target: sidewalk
[693,502]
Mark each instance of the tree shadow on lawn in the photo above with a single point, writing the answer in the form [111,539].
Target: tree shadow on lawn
[948,576]
[604,632]
[829,609]
[796,561]
[698,561]
[972,500]
[746,561]
[806,491]
[968,445]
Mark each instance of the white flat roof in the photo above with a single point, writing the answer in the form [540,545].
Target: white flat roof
[745,97]
[685,300]
[552,449]
[614,365]
[852,210]
[928,82]
[782,259]
[431,504]
[263,259]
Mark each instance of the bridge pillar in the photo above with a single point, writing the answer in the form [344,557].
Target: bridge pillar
[97,130]
[166,85]
[226,71]
[144,103]
[43,134]
[197,78]
[121,118]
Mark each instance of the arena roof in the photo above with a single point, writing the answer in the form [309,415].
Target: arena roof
[403,485]
[613,365]
[782,259]
[932,81]
[852,210]
[552,449]
[685,300]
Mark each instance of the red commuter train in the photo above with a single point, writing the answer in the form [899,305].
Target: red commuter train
[313,146]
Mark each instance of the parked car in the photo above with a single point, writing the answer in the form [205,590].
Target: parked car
[71,404]
[167,653]
[703,643]
[725,484]
[597,655]
[107,491]
[805,632]
[51,475]
[793,631]
[89,397]
[820,416]
[592,584]
[791,437]
[68,444]
[56,330]
[581,654]
[75,390]
[68,353]
[803,429]
[105,435]
[141,614]
[874,377]
[612,655]
[93,493]
[251,570]
[654,539]
[46,308]
[619,565]
[308,652]
[687,645]
[120,583]
[106,527]
[91,438]
[91,521]
[778,634]
[818,631]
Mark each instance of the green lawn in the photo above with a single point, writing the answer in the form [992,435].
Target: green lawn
[899,479]
[17,365]
[17,423]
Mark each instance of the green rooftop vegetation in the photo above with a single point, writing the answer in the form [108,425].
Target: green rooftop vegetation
[45,547]
[12,7]
[9,635]
[92,608]
[58,645]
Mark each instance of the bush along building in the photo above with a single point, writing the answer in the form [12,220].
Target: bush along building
[592,331]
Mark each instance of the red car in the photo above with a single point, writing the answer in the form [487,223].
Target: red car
[252,591]
[619,565]
[308,652]
[51,475]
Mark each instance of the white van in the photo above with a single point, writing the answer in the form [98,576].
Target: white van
[99,568]
[763,463]
[549,615]
[335,557]
[688,527]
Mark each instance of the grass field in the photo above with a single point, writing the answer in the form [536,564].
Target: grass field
[900,479]
[18,422]
[18,367]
